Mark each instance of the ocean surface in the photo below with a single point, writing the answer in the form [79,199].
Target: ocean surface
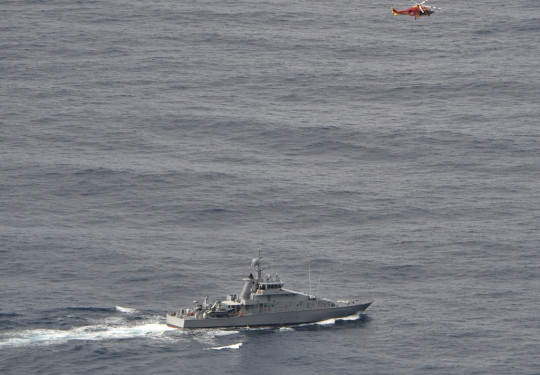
[149,149]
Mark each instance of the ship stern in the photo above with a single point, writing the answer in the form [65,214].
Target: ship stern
[175,321]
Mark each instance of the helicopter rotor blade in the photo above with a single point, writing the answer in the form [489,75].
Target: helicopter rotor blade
[420,6]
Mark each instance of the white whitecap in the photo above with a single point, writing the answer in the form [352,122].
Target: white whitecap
[127,310]
[233,346]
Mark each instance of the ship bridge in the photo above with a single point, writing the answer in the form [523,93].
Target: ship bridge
[270,285]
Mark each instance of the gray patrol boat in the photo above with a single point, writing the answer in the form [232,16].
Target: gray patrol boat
[263,302]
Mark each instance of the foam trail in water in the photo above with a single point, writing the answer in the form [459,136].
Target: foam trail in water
[333,320]
[207,336]
[233,346]
[97,332]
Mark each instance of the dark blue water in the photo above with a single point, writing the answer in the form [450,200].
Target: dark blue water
[148,149]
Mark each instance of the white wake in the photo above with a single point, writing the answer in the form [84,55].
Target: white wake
[333,320]
[86,333]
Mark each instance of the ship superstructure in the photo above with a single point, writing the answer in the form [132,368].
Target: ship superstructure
[263,301]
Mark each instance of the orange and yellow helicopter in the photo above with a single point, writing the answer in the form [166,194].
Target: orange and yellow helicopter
[417,10]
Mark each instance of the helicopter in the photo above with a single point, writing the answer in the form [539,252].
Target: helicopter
[417,10]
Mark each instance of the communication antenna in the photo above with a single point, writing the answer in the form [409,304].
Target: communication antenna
[319,286]
[366,271]
[309,272]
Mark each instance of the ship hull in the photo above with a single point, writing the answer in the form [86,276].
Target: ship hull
[268,319]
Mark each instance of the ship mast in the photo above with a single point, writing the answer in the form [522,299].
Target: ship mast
[251,283]
[256,266]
